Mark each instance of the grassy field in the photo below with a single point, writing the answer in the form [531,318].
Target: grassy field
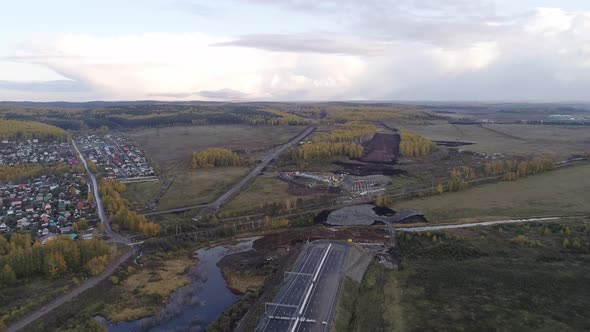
[146,290]
[264,189]
[510,139]
[559,192]
[139,194]
[200,186]
[170,148]
[140,292]
[508,278]
[21,299]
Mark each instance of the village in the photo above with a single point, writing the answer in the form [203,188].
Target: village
[35,152]
[47,206]
[115,157]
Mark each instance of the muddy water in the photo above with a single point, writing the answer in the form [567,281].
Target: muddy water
[193,307]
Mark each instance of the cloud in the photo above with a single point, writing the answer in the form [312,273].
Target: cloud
[223,94]
[44,86]
[430,53]
[313,43]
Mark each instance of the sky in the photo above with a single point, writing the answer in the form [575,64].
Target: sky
[295,50]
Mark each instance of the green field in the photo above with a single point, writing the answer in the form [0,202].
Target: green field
[170,148]
[200,186]
[560,192]
[139,194]
[263,190]
[477,279]
[511,139]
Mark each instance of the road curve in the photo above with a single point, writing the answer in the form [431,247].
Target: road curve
[223,199]
[115,237]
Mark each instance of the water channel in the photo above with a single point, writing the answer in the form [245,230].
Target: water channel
[192,307]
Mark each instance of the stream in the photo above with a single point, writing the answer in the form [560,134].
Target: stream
[192,307]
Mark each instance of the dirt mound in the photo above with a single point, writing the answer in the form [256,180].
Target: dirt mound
[407,216]
[354,216]
[383,148]
[294,236]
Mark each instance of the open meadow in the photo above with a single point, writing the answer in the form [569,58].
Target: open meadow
[264,189]
[171,147]
[511,139]
[511,277]
[560,192]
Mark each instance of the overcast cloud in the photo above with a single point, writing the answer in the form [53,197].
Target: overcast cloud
[344,50]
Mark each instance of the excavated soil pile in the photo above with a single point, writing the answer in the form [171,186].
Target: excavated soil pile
[383,148]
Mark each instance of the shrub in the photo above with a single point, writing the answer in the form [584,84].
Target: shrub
[114,280]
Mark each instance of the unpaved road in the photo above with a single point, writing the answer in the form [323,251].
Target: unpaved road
[221,200]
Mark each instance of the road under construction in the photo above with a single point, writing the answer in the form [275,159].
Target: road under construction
[307,297]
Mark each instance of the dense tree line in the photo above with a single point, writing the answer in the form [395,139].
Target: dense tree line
[181,115]
[325,151]
[350,132]
[379,112]
[118,208]
[343,141]
[13,130]
[513,169]
[16,173]
[22,258]
[216,157]
[412,145]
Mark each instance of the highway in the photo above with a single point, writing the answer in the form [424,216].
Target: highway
[307,297]
[236,188]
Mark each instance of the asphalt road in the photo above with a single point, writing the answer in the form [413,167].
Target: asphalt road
[221,200]
[71,294]
[115,237]
[319,307]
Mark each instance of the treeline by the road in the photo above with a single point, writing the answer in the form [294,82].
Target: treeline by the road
[413,145]
[507,170]
[14,130]
[22,258]
[216,157]
[513,169]
[121,216]
[20,172]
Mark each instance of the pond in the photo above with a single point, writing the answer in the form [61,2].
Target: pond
[193,307]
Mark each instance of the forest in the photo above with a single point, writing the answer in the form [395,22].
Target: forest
[345,141]
[412,145]
[216,157]
[12,130]
[121,216]
[22,258]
